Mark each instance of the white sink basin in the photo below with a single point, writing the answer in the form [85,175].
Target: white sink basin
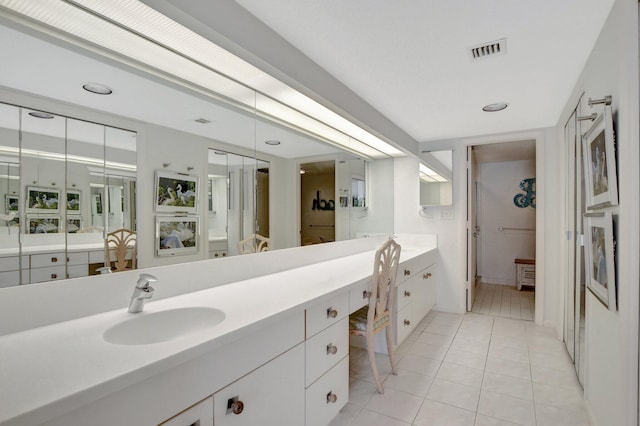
[162,326]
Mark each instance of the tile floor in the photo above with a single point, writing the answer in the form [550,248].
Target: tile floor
[466,370]
[505,301]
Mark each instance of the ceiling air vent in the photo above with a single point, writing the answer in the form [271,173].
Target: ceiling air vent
[485,50]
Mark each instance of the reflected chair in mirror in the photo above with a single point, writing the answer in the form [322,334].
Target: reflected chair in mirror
[254,243]
[122,243]
[376,317]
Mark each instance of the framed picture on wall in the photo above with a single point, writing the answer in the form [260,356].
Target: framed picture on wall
[11,203]
[176,235]
[74,224]
[42,200]
[600,162]
[73,201]
[43,224]
[176,192]
[599,258]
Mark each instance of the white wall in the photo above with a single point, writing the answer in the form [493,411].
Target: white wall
[498,183]
[612,337]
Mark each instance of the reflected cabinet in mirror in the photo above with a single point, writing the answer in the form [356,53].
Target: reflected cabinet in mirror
[65,184]
[436,178]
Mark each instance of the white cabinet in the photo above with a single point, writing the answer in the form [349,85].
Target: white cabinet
[200,414]
[328,395]
[271,395]
[415,296]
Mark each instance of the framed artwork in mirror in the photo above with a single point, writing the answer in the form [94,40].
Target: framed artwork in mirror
[600,162]
[42,200]
[74,224]
[176,192]
[43,224]
[177,235]
[11,203]
[73,201]
[599,258]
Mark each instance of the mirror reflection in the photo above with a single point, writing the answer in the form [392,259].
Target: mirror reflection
[436,178]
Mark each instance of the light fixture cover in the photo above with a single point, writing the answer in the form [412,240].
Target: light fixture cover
[40,114]
[498,106]
[272,142]
[97,88]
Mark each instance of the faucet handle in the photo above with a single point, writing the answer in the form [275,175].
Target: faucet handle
[145,279]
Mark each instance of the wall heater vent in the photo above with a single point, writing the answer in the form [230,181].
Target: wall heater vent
[485,50]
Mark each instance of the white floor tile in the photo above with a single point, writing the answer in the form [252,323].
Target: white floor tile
[557,396]
[433,413]
[473,346]
[506,408]
[347,415]
[435,339]
[507,385]
[428,351]
[369,418]
[445,330]
[419,364]
[510,353]
[459,374]
[491,421]
[547,415]
[409,382]
[450,393]
[549,376]
[360,391]
[467,359]
[395,404]
[506,367]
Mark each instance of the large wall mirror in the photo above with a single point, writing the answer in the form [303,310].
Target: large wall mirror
[65,183]
[436,178]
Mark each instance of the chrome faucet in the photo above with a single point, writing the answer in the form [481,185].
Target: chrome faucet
[141,292]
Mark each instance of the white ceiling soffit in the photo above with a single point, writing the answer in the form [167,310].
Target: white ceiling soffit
[137,97]
[505,151]
[410,60]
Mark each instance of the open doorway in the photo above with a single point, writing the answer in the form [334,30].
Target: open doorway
[502,229]
[317,202]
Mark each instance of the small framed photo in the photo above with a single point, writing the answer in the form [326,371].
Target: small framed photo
[176,235]
[176,193]
[42,200]
[600,162]
[43,224]
[599,258]
[11,203]
[73,201]
[74,224]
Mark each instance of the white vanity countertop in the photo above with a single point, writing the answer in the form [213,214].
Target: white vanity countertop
[47,371]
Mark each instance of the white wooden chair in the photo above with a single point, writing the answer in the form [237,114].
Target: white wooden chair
[376,317]
[254,243]
[120,242]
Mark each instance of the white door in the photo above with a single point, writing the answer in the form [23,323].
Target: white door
[472,230]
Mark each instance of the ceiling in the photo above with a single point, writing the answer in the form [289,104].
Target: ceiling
[505,151]
[410,60]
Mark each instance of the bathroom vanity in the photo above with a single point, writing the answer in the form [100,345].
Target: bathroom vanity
[266,344]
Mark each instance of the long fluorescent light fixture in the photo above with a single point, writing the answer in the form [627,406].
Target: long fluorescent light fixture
[142,34]
[428,175]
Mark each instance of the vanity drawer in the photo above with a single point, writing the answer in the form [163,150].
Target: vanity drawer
[76,271]
[78,258]
[96,256]
[52,273]
[328,395]
[201,414]
[9,278]
[325,349]
[404,293]
[11,263]
[404,323]
[410,268]
[325,313]
[358,296]
[47,259]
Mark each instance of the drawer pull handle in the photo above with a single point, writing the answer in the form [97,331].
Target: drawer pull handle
[54,276]
[426,276]
[366,294]
[332,349]
[407,322]
[54,259]
[235,406]
[407,272]
[331,397]
[332,313]
[407,293]
[215,255]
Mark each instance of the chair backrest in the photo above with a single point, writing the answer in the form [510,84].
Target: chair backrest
[254,243]
[383,282]
[120,241]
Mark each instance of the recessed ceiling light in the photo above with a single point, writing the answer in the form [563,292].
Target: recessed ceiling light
[272,142]
[97,88]
[202,121]
[499,106]
[40,114]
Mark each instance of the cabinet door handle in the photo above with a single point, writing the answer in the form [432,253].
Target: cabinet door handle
[331,397]
[407,322]
[332,349]
[407,272]
[426,276]
[332,313]
[54,276]
[54,260]
[366,294]
[407,293]
[235,406]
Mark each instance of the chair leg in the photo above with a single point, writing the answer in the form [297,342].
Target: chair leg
[392,357]
[372,361]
